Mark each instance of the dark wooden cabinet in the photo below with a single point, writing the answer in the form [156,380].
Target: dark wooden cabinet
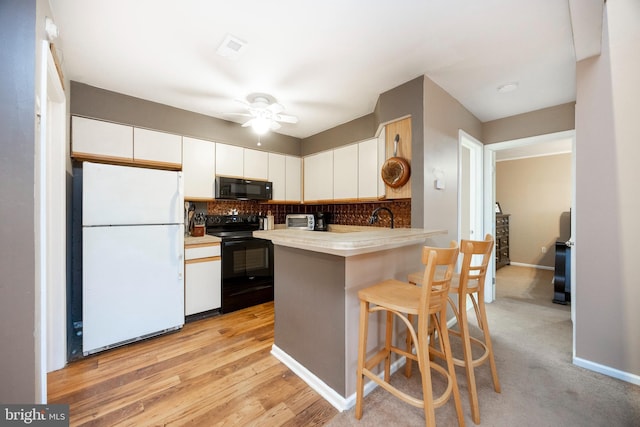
[502,240]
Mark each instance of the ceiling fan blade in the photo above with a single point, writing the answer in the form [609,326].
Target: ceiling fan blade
[285,118]
[275,108]
[238,114]
[247,123]
[243,102]
[275,126]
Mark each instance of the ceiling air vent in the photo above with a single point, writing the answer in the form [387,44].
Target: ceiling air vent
[231,47]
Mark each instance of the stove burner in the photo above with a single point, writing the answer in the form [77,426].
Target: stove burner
[229,226]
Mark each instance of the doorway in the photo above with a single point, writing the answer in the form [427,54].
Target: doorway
[531,146]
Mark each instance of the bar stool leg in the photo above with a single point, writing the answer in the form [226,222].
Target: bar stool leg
[443,333]
[409,362]
[427,390]
[468,357]
[487,340]
[387,346]
[362,354]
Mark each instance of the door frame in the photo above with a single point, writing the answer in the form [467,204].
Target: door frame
[51,228]
[476,190]
[489,200]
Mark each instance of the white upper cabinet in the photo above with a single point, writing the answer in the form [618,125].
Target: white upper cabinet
[256,164]
[115,143]
[293,188]
[229,160]
[345,172]
[157,148]
[95,139]
[318,177]
[368,169]
[284,173]
[198,169]
[278,175]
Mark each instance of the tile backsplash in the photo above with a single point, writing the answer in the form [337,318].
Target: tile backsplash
[343,214]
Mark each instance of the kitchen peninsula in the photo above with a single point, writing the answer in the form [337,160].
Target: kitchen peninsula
[317,278]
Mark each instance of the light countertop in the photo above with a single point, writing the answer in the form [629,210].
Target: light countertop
[190,240]
[348,240]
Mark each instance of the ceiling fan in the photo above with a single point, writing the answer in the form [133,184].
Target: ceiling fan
[264,113]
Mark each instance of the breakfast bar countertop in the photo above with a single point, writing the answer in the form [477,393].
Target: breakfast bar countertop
[344,240]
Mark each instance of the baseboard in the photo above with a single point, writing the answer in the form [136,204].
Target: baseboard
[330,395]
[606,370]
[539,267]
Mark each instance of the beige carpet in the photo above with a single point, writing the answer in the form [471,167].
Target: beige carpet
[540,387]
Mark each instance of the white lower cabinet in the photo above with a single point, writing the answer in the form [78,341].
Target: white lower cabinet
[203,290]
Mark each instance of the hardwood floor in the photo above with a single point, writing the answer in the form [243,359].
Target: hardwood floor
[214,372]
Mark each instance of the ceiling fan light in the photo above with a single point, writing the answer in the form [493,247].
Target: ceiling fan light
[261,125]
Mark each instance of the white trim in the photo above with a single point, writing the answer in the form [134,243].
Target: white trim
[606,370]
[475,147]
[323,389]
[490,219]
[539,267]
[555,153]
[330,395]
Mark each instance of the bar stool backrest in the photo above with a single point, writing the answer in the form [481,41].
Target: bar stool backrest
[472,274]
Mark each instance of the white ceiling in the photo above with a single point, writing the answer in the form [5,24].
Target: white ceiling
[325,61]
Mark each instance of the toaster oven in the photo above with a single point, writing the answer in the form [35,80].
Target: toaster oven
[300,221]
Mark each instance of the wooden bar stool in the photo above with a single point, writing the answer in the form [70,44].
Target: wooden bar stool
[470,283]
[429,304]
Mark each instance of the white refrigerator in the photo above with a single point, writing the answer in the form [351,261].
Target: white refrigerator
[132,254]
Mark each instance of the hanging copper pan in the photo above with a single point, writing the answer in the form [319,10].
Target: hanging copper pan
[395,170]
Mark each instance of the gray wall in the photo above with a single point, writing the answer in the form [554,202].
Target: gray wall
[103,104]
[444,116]
[17,174]
[356,130]
[548,120]
[607,197]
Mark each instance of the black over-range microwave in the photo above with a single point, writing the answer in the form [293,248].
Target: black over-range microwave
[242,189]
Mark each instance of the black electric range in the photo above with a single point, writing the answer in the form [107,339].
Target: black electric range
[247,262]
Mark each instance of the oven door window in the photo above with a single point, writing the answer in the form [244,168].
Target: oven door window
[247,258]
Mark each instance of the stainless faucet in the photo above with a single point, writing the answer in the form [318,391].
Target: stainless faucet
[374,215]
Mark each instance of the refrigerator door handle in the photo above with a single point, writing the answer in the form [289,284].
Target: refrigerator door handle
[180,185]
